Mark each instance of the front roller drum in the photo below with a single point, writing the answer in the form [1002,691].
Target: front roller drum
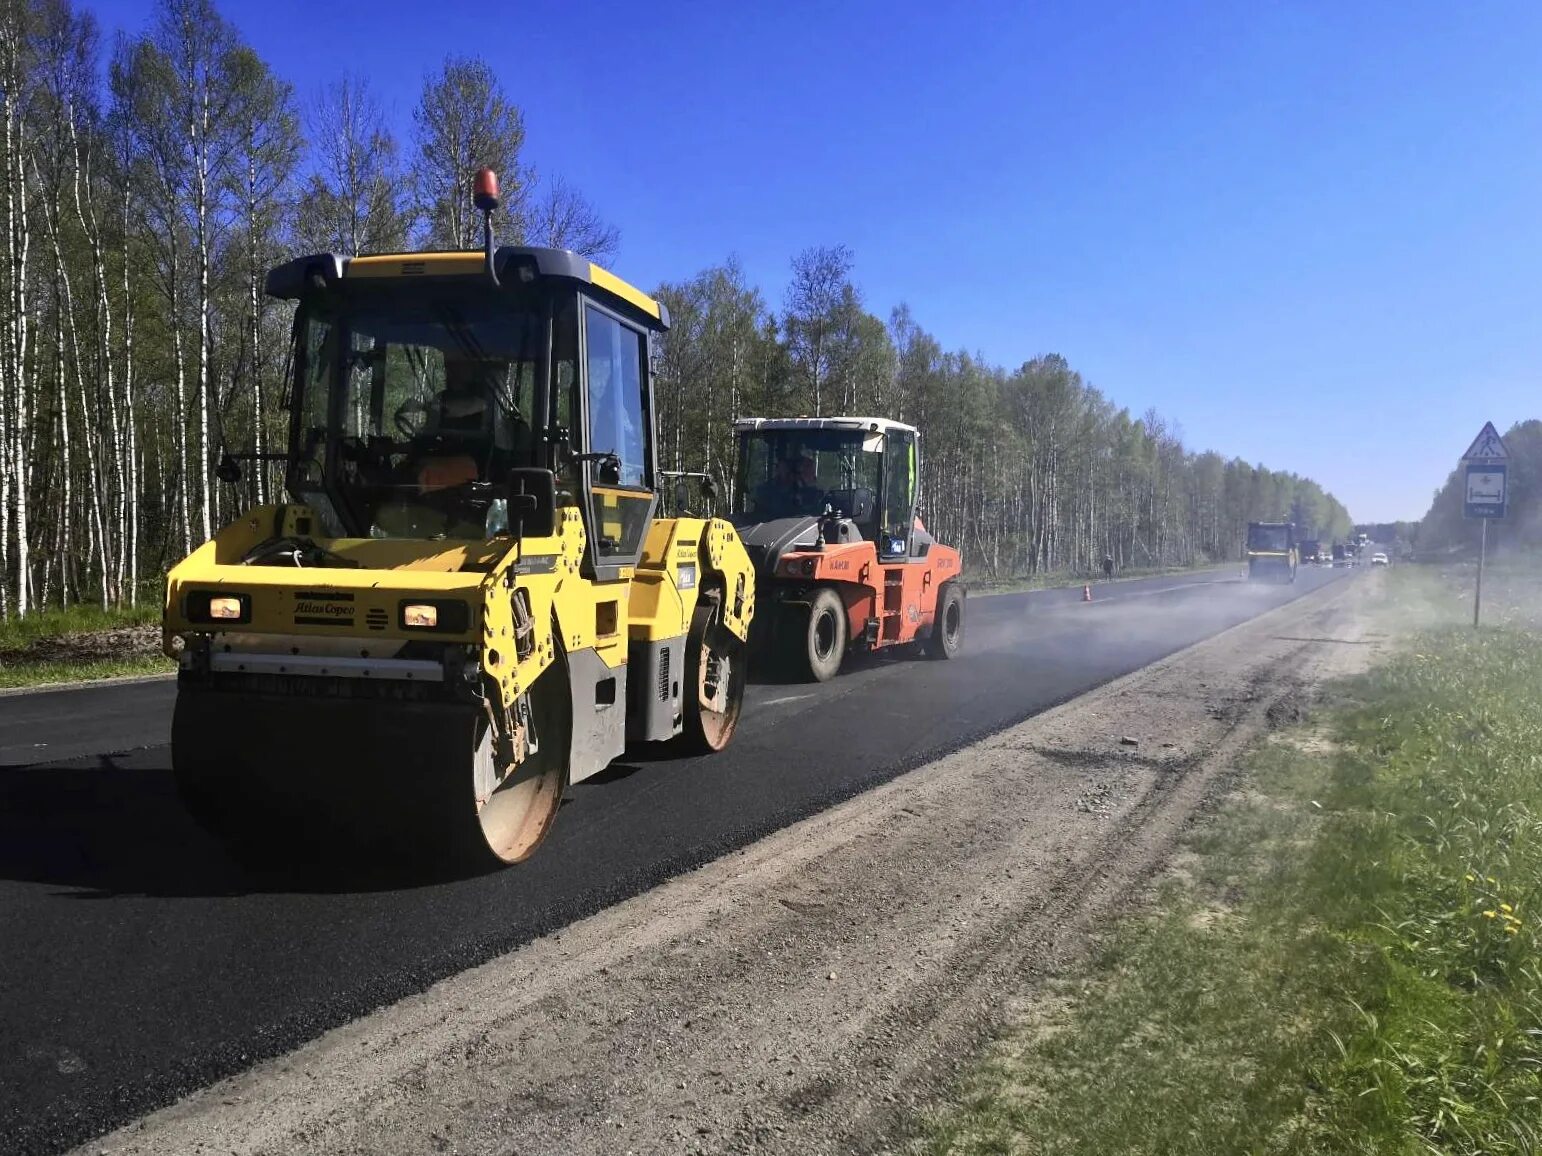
[716,667]
[515,810]
[279,778]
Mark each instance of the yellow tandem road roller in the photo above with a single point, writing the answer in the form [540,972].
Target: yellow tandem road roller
[469,601]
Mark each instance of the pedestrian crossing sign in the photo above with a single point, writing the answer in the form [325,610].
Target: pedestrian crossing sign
[1488,446]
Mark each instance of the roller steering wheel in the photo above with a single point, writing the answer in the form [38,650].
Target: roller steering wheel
[403,417]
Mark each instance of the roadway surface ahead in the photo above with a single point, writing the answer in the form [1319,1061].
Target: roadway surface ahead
[138,962]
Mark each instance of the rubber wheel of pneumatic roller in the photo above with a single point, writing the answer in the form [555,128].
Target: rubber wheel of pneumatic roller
[947,636]
[823,641]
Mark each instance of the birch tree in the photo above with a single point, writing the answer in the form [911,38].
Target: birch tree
[197,46]
[16,87]
[265,150]
[560,218]
[464,122]
[353,200]
[814,302]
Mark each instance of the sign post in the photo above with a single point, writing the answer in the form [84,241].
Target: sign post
[1477,598]
[1486,464]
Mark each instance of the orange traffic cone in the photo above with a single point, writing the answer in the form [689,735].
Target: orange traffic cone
[1087,593]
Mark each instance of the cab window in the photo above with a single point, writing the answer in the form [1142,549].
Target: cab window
[622,494]
[899,491]
[615,396]
[564,407]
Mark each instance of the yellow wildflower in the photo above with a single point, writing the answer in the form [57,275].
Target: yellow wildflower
[1511,928]
[1506,908]
[1490,914]
[1472,878]
[1491,879]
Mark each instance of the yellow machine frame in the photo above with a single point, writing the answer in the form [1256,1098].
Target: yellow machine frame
[637,645]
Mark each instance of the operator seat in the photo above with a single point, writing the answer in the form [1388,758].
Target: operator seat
[456,423]
[466,437]
[921,540]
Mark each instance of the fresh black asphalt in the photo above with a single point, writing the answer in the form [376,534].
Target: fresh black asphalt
[137,962]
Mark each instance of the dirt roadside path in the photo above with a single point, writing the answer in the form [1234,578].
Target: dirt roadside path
[811,992]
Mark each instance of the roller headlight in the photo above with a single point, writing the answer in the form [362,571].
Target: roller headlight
[217,608]
[420,616]
[443,616]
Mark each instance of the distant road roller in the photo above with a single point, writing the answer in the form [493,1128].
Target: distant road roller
[828,510]
[470,600]
[1271,550]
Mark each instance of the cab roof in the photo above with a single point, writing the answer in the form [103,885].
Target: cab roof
[515,264]
[869,424]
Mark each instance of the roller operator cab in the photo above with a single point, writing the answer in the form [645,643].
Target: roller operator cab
[1271,550]
[828,509]
[469,600]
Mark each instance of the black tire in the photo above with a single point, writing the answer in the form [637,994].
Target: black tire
[715,667]
[947,635]
[824,636]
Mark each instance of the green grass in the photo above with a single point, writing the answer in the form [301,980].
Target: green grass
[16,633]
[1336,970]
[71,645]
[46,673]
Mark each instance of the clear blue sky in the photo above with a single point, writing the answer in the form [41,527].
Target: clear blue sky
[1310,234]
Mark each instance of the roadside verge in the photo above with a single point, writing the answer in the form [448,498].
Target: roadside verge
[1343,958]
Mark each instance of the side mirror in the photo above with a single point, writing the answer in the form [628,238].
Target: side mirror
[228,471]
[532,503]
[709,488]
[682,496]
[861,505]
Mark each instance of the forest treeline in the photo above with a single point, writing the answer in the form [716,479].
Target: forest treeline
[1027,470]
[150,182]
[1444,527]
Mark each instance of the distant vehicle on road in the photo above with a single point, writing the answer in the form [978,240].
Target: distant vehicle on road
[1378,559]
[1310,551]
[1271,552]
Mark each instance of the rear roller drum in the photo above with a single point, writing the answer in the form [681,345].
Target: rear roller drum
[716,665]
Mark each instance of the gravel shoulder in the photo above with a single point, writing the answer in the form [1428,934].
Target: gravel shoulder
[813,991]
